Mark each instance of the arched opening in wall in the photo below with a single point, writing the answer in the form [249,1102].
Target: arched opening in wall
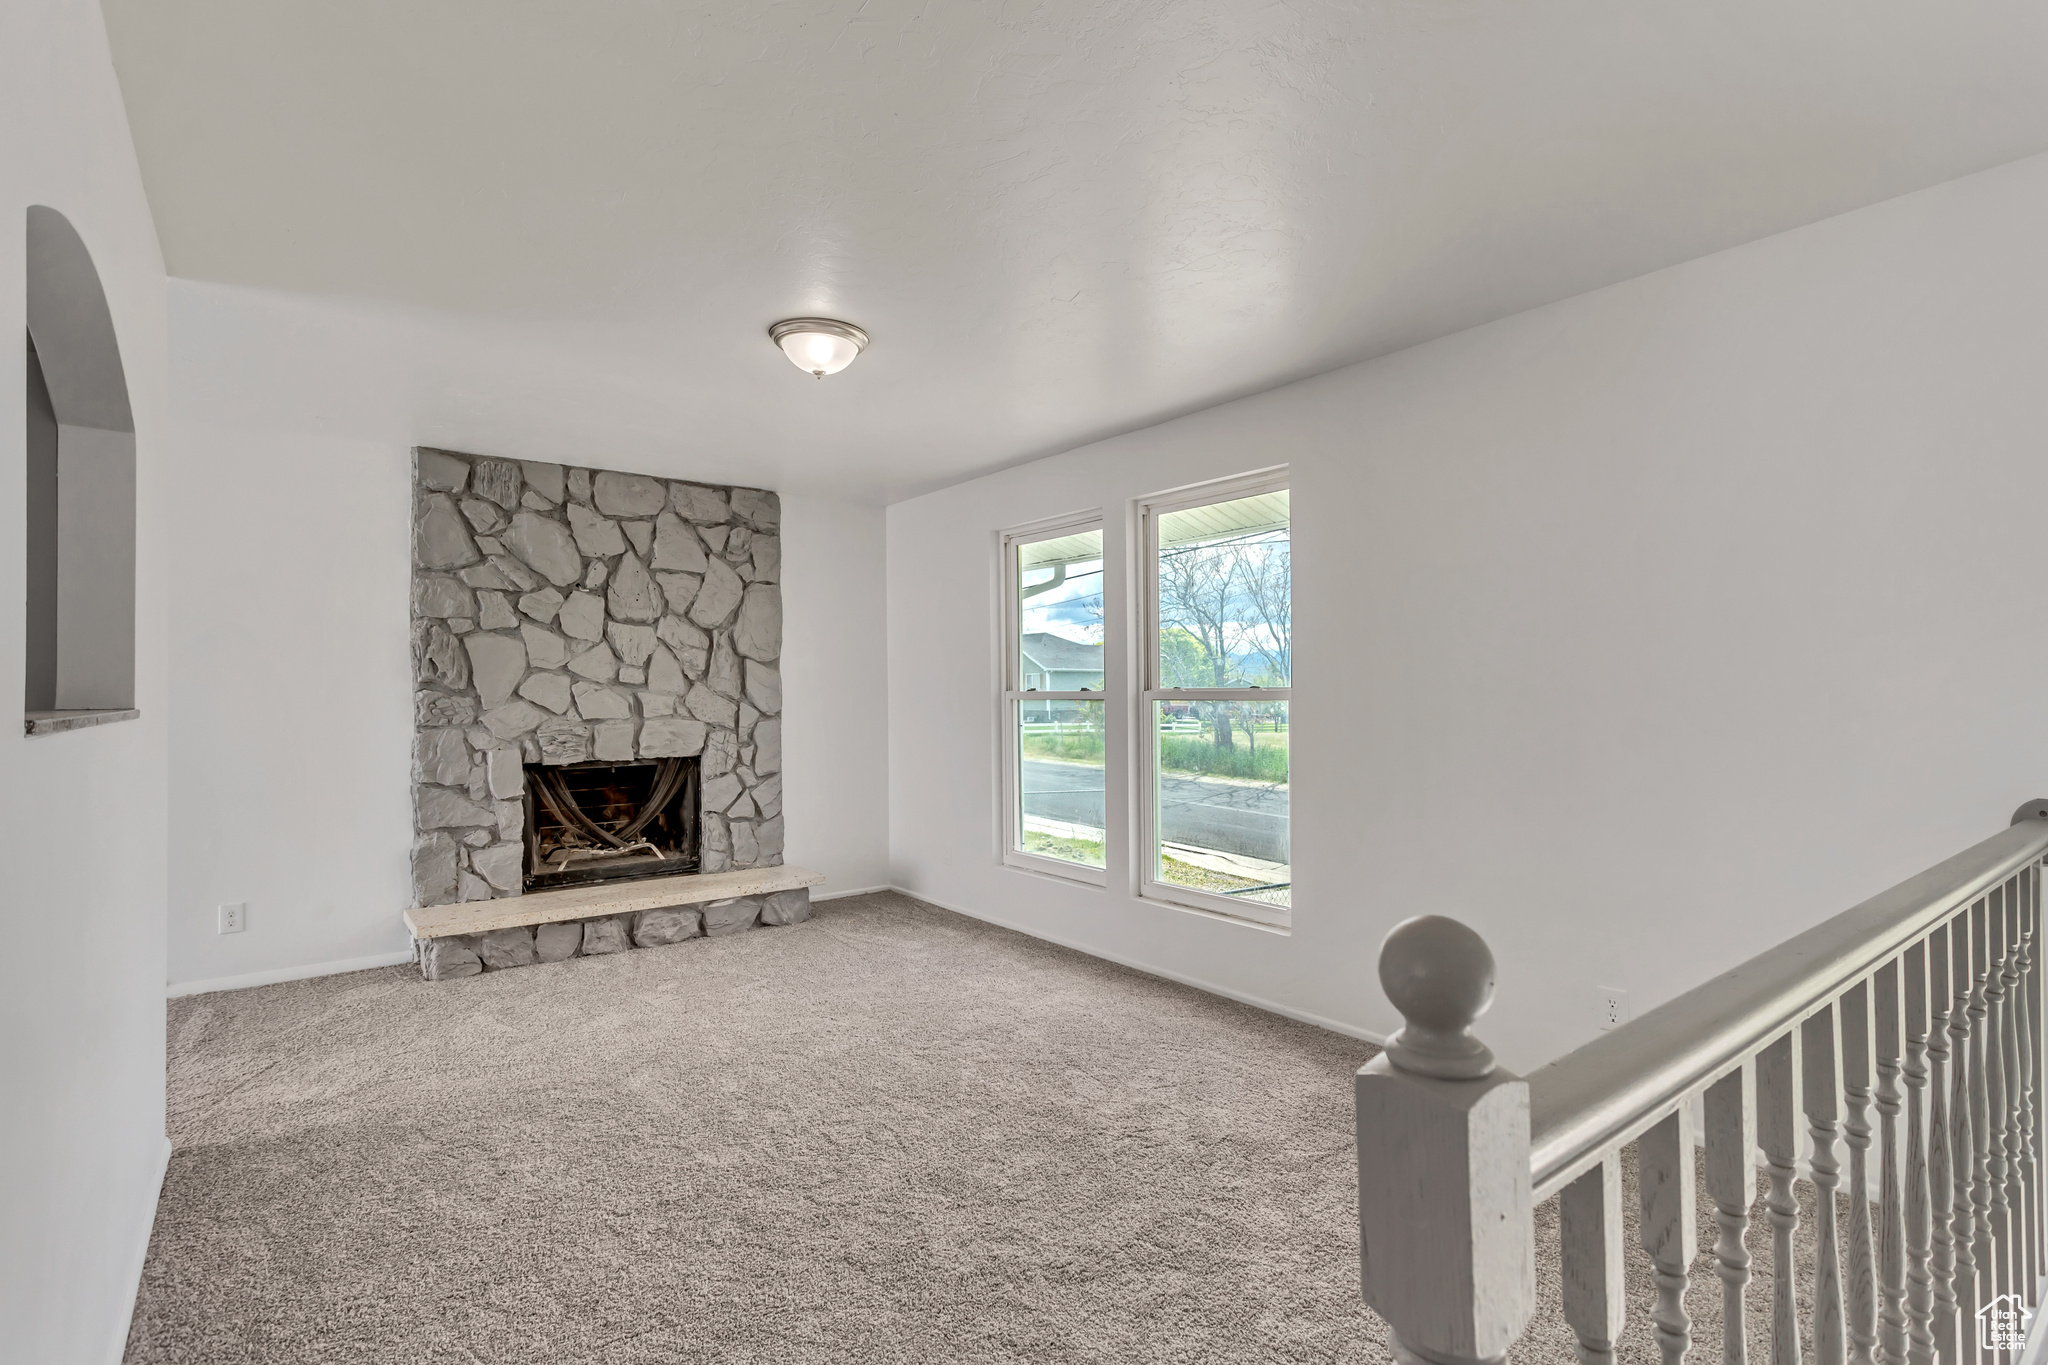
[80,505]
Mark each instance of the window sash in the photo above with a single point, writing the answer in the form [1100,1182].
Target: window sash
[1213,694]
[1013,800]
[1150,887]
[1009,726]
[1012,613]
[1149,511]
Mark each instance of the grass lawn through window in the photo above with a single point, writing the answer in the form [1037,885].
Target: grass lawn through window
[1089,853]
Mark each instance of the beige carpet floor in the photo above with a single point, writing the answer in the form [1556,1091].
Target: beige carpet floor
[890,1134]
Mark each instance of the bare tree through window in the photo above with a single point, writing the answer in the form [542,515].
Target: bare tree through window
[1226,617]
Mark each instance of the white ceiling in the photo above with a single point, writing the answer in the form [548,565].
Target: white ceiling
[1058,220]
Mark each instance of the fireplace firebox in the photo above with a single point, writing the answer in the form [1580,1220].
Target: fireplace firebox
[601,822]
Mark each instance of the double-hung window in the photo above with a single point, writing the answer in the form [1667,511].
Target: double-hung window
[1052,699]
[1217,665]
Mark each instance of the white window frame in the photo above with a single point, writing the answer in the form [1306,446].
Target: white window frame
[1007,729]
[1146,860]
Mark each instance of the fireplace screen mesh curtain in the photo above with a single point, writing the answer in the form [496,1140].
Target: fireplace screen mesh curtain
[1052,699]
[1218,664]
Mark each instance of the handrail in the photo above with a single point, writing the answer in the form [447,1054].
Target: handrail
[1592,1100]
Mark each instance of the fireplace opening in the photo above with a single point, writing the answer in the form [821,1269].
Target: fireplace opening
[601,822]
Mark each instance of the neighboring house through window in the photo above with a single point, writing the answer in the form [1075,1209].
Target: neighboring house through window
[1054,663]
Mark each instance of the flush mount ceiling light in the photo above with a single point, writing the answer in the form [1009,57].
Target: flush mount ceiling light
[818,346]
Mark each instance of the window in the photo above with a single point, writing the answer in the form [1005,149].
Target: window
[1053,708]
[1218,663]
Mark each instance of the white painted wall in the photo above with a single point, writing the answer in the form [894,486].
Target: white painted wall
[291,696]
[1639,631]
[83,813]
[95,569]
[291,678]
[835,691]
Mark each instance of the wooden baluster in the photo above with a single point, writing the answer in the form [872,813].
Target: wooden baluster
[2014,1254]
[2036,1206]
[1983,1057]
[1941,1267]
[1589,1237]
[2026,1045]
[1443,1148]
[1917,1223]
[1777,1132]
[2040,1091]
[2030,1073]
[1891,1215]
[1664,1173]
[1820,1074]
[1994,1234]
[2025,1021]
[1854,1008]
[1962,1217]
[1731,1184]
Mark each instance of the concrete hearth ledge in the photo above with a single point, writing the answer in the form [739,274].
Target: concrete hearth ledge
[614,898]
[55,722]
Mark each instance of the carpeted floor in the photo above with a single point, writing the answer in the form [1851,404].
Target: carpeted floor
[890,1134]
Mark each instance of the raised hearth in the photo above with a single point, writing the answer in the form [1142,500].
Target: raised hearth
[585,921]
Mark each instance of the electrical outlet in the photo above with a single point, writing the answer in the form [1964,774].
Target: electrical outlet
[233,918]
[1613,1008]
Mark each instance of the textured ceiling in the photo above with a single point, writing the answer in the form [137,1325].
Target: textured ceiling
[1058,220]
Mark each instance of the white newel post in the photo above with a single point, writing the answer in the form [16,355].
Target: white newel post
[1446,1239]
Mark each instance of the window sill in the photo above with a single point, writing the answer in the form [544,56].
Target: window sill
[1057,870]
[1272,919]
[53,722]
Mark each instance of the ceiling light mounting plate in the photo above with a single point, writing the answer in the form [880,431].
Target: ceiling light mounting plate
[818,346]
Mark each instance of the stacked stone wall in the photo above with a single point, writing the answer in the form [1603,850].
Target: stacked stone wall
[459,955]
[561,615]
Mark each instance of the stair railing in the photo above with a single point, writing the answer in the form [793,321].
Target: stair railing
[1923,1003]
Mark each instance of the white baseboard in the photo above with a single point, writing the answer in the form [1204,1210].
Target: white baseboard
[1242,997]
[235,983]
[360,964]
[272,977]
[137,1258]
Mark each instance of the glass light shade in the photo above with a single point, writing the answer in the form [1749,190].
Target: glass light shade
[819,346]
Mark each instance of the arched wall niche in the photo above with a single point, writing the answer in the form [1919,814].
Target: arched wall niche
[73,330]
[80,655]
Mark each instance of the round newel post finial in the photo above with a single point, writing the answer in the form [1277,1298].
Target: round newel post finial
[1439,974]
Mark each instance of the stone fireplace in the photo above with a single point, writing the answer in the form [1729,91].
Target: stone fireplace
[587,642]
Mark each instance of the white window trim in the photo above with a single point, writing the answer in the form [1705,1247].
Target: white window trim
[1007,729]
[1145,862]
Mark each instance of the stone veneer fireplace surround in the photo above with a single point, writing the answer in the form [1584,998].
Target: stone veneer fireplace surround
[563,615]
